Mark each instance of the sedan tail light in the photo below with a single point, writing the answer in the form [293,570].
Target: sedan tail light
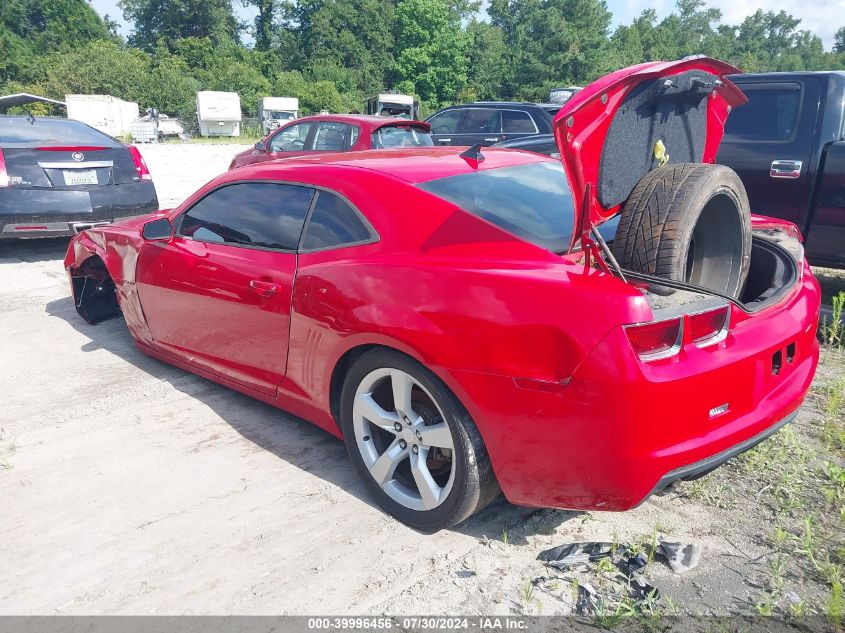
[708,328]
[4,177]
[653,341]
[140,165]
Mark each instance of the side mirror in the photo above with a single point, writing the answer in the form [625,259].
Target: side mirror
[157,230]
[260,146]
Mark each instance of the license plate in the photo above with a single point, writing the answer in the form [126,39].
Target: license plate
[80,177]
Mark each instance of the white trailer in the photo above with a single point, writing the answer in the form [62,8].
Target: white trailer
[104,112]
[274,112]
[219,113]
[394,105]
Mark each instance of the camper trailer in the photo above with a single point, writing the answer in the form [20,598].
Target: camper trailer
[395,105]
[274,112]
[219,113]
[108,114]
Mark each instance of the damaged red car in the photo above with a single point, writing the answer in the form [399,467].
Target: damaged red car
[456,316]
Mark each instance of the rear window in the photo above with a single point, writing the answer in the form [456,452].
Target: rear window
[771,114]
[400,136]
[45,132]
[531,201]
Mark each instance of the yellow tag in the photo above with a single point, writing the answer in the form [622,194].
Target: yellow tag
[660,153]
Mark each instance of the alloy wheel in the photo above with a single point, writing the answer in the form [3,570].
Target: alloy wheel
[404,439]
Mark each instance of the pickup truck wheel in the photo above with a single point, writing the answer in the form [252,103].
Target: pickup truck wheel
[412,443]
[690,222]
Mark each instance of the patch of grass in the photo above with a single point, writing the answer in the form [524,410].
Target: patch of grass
[833,432]
[835,607]
[527,597]
[832,330]
[710,491]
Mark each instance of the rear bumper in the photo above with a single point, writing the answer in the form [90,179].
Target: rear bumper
[622,429]
[708,464]
[26,213]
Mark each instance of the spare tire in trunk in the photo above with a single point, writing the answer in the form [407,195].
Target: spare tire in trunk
[689,222]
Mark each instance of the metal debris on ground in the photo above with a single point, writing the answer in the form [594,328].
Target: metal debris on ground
[588,601]
[681,556]
[571,554]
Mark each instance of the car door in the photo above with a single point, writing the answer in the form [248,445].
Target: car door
[445,126]
[333,136]
[769,142]
[217,294]
[289,141]
[481,125]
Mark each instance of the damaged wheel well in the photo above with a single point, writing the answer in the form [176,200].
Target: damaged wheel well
[93,291]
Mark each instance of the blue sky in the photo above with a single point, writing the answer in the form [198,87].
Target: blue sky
[823,18]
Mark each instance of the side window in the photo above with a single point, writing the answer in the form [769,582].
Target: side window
[446,122]
[263,214]
[332,136]
[333,223]
[771,114]
[517,122]
[482,121]
[291,139]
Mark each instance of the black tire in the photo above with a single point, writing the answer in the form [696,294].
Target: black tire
[689,222]
[474,484]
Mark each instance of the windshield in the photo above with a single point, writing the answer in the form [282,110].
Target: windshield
[17,130]
[531,201]
[401,136]
[282,116]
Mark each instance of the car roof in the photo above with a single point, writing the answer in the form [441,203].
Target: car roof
[367,121]
[411,165]
[501,104]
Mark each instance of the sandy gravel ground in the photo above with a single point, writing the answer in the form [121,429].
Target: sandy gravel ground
[128,486]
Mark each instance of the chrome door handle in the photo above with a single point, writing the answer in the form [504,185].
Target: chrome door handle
[785,169]
[444,140]
[264,288]
[492,140]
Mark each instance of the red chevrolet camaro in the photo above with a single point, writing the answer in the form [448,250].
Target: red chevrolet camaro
[445,313]
[335,133]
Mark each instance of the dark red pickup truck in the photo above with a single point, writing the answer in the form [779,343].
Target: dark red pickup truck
[788,146]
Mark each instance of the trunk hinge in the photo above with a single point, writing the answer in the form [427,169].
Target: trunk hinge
[592,243]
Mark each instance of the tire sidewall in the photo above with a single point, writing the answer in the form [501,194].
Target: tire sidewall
[718,180]
[464,495]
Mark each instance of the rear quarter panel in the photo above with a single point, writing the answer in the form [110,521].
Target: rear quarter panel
[451,290]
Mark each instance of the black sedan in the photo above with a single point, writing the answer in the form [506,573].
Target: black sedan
[58,177]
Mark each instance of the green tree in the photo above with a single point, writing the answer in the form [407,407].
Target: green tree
[431,50]
[33,28]
[100,67]
[839,40]
[490,74]
[352,34]
[171,20]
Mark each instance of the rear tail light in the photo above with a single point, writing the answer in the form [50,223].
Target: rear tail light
[4,177]
[140,165]
[653,341]
[708,328]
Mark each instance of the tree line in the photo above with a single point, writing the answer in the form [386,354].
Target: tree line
[332,54]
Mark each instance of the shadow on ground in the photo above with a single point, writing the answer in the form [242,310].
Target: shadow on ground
[292,439]
[34,250]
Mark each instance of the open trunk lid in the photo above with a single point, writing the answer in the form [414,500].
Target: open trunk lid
[620,127]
